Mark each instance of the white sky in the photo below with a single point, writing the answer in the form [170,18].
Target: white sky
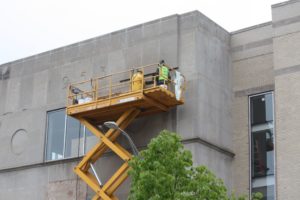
[28,27]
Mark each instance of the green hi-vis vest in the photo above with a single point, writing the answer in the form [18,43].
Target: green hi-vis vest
[163,73]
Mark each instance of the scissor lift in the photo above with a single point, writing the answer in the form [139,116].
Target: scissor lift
[119,97]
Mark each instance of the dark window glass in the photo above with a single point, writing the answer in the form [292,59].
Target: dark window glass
[261,109]
[263,153]
[55,135]
[262,145]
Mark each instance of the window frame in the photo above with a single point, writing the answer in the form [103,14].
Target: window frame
[46,135]
[81,147]
[250,140]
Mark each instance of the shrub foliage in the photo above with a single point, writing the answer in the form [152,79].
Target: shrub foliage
[165,171]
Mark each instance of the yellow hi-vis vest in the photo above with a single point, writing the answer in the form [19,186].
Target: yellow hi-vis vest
[163,73]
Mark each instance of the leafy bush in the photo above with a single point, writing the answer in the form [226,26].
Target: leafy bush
[164,171]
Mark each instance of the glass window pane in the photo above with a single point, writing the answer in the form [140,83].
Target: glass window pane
[55,134]
[261,109]
[267,191]
[262,153]
[90,140]
[262,145]
[269,107]
[72,137]
[81,142]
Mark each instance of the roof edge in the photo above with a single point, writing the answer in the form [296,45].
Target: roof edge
[285,3]
[251,27]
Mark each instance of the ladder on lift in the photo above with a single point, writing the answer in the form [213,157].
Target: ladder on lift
[119,97]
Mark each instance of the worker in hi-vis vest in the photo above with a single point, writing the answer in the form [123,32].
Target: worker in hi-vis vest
[163,76]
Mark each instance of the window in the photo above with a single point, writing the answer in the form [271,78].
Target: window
[66,137]
[262,145]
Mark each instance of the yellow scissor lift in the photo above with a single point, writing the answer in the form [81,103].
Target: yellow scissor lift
[119,97]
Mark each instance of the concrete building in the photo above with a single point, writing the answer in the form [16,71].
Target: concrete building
[241,115]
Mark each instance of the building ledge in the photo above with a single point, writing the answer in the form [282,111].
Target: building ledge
[285,3]
[251,28]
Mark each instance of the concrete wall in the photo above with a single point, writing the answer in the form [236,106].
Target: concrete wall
[32,86]
[42,182]
[286,42]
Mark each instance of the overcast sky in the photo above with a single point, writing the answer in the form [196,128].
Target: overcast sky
[29,27]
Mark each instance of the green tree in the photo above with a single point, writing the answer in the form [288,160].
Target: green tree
[164,171]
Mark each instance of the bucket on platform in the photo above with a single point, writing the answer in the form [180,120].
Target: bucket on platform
[137,81]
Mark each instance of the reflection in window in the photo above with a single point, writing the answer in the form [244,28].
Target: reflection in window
[66,137]
[262,145]
[90,140]
[55,136]
[72,137]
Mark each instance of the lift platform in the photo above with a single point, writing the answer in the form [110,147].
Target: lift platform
[119,97]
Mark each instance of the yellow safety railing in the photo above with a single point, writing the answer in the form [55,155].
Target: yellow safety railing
[113,85]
